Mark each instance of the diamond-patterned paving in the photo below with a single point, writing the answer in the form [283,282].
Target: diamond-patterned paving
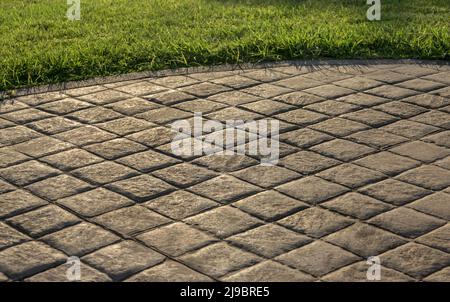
[364,170]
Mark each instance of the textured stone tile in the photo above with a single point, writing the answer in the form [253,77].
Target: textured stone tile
[27,172]
[85,135]
[58,187]
[298,83]
[266,176]
[301,117]
[141,188]
[439,239]
[270,205]
[175,81]
[371,117]
[9,156]
[401,109]
[13,105]
[115,148]
[358,273]
[95,202]
[430,177]
[329,91]
[437,204]
[416,260]
[204,89]
[233,98]
[299,98]
[410,129]
[388,76]
[26,115]
[342,149]
[415,70]
[59,274]
[80,239]
[442,77]
[176,239]
[407,222]
[71,159]
[357,205]
[339,126]
[180,204]
[268,271]
[267,107]
[387,163]
[434,118]
[265,75]
[53,125]
[64,106]
[42,146]
[147,161]
[235,81]
[219,259]
[223,221]
[43,220]
[318,258]
[365,240]
[377,138]
[351,175]
[95,115]
[126,125]
[224,189]
[305,137]
[233,113]
[269,240]
[428,101]
[230,163]
[421,151]
[315,222]
[169,97]
[5,187]
[267,90]
[363,99]
[358,83]
[395,192]
[141,88]
[131,220]
[84,90]
[392,92]
[133,106]
[312,190]
[28,258]
[104,172]
[15,135]
[163,115]
[421,85]
[184,174]
[123,259]
[200,105]
[307,162]
[169,271]
[153,137]
[104,97]
[441,139]
[440,276]
[10,236]
[17,202]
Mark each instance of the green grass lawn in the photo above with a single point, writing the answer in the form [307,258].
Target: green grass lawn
[39,45]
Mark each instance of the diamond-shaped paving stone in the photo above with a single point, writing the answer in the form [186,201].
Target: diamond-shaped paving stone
[141,88]
[266,90]
[305,137]
[395,192]
[28,259]
[442,77]
[180,204]
[26,115]
[104,172]
[440,276]
[9,157]
[358,272]
[441,139]
[232,113]
[267,107]
[53,125]
[95,202]
[430,177]
[131,220]
[84,90]
[27,172]
[176,239]
[351,175]
[42,146]
[10,236]
[169,97]
[387,163]
[204,89]
[233,98]
[147,161]
[357,205]
[318,258]
[406,222]
[416,260]
[415,70]
[71,159]
[133,106]
[16,202]
[439,239]
[269,240]
[36,99]
[329,91]
[115,148]
[126,125]
[95,115]
[80,239]
[371,117]
[235,81]
[339,126]
[200,105]
[220,163]
[65,106]
[401,109]
[104,97]
[392,92]
[307,162]
[358,83]
[299,98]
[265,75]
[342,149]
[5,187]
[388,76]
[175,81]
[312,189]
[421,85]
[59,274]
[123,259]
[184,174]
[365,240]
[154,137]
[85,135]
[428,101]
[421,151]
[219,259]
[269,205]
[327,75]
[164,115]
[58,187]
[43,220]
[15,135]
[223,221]
[363,99]
[224,189]
[266,176]
[377,138]
[315,222]
[301,117]
[169,271]
[268,271]
[434,118]
[437,204]
[141,188]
